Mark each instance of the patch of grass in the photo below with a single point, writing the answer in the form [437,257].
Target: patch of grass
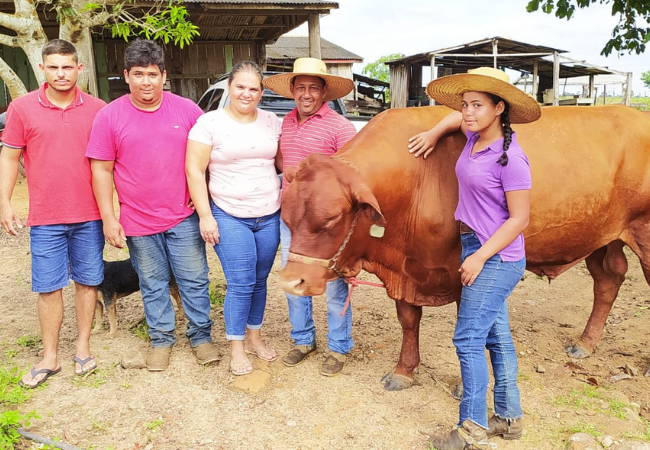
[92,379]
[141,330]
[640,435]
[12,394]
[523,376]
[153,426]
[581,427]
[592,398]
[618,408]
[217,295]
[28,341]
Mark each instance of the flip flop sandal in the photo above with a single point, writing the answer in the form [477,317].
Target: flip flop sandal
[258,353]
[241,368]
[33,372]
[82,363]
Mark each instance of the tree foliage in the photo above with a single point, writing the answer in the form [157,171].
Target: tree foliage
[165,20]
[378,70]
[645,77]
[632,32]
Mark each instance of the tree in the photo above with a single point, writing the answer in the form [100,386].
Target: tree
[628,35]
[645,77]
[378,70]
[164,20]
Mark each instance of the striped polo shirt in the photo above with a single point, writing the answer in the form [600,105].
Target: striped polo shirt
[324,132]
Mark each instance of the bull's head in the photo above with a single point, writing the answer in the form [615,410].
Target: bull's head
[329,210]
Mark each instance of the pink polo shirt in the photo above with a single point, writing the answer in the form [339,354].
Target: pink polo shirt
[54,142]
[324,132]
[148,148]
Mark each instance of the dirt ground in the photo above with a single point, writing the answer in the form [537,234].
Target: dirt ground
[275,407]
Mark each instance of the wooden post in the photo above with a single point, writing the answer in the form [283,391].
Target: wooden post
[556,78]
[433,74]
[261,54]
[495,51]
[591,87]
[536,80]
[314,36]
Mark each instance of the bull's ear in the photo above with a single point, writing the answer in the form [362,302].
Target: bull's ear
[289,173]
[367,200]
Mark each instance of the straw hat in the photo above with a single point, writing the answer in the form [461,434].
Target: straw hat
[449,91]
[337,87]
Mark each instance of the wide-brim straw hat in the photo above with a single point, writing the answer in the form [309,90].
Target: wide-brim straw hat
[449,91]
[337,87]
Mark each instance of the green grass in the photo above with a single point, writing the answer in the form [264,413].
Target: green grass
[12,394]
[153,426]
[217,295]
[141,330]
[582,427]
[28,341]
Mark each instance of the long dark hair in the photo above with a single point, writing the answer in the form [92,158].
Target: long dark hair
[505,124]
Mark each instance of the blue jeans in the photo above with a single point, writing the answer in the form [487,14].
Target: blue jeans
[303,330]
[483,323]
[182,250]
[65,251]
[246,249]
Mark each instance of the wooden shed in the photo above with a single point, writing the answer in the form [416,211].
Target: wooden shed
[546,66]
[231,31]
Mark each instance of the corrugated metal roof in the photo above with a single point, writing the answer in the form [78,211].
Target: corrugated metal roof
[293,47]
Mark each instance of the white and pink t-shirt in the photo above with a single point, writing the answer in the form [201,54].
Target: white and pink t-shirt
[243,181]
[148,148]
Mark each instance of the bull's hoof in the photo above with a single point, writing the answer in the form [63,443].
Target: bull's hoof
[396,382]
[458,392]
[577,351]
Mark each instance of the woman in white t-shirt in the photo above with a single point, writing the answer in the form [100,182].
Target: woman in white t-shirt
[239,209]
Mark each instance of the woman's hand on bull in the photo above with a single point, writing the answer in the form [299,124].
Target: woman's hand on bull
[209,230]
[470,269]
[422,143]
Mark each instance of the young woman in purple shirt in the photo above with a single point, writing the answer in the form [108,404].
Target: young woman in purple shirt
[494,183]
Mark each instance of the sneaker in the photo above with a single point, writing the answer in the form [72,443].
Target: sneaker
[508,429]
[158,358]
[206,353]
[333,365]
[298,355]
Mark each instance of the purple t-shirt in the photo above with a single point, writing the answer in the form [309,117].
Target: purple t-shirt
[482,187]
[148,148]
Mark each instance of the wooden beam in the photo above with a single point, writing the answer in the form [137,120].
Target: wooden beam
[261,54]
[556,78]
[535,78]
[314,36]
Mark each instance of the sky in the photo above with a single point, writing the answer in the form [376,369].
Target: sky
[373,28]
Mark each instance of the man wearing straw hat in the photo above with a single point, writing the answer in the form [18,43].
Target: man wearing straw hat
[313,127]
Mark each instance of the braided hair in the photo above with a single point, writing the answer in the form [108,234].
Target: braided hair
[505,123]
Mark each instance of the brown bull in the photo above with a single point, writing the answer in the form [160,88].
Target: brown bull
[590,197]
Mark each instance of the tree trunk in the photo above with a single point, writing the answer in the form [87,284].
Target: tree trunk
[14,84]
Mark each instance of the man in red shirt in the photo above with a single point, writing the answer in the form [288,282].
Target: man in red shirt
[313,127]
[51,127]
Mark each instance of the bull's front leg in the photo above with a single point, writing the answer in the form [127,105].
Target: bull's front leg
[401,377]
[607,266]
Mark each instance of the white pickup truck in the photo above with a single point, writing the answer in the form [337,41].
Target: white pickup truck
[217,97]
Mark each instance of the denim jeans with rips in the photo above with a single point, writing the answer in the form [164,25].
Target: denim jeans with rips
[180,249]
[483,323]
[303,329]
[246,249]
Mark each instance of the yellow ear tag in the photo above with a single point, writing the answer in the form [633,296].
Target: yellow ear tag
[377,231]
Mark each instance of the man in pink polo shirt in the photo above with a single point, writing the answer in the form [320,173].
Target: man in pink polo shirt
[313,127]
[140,140]
[51,127]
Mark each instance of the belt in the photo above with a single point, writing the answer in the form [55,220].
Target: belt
[465,229]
